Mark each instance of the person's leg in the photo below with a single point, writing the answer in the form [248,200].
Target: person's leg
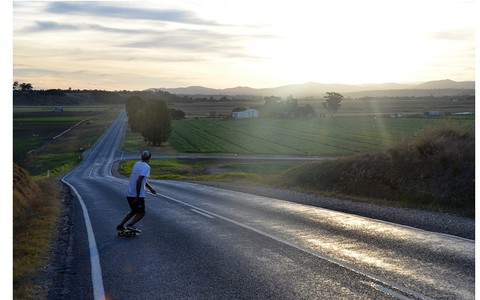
[129,215]
[137,218]
[140,213]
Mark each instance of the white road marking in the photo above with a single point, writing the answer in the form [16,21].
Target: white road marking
[90,173]
[203,214]
[97,281]
[389,291]
[387,285]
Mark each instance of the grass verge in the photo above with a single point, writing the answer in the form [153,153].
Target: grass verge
[36,207]
[213,169]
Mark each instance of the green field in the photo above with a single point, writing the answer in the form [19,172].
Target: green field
[35,129]
[31,129]
[328,136]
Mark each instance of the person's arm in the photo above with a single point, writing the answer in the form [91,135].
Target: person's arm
[152,190]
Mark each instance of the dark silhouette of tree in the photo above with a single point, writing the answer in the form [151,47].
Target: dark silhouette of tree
[133,106]
[22,87]
[305,111]
[309,110]
[26,87]
[332,101]
[177,114]
[155,122]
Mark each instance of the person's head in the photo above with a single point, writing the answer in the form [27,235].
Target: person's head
[146,155]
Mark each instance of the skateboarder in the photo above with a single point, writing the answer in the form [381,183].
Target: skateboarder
[136,193]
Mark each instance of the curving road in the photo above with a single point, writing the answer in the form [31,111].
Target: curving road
[202,242]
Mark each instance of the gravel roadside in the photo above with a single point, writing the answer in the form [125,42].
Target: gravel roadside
[430,221]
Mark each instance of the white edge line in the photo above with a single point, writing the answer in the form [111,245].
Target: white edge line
[202,213]
[96,270]
[390,292]
[451,236]
[375,278]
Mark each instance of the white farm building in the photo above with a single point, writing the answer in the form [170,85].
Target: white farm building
[246,114]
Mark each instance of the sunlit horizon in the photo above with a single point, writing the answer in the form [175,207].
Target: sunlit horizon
[115,45]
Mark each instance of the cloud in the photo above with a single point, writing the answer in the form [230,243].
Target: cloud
[49,26]
[110,11]
[197,42]
[454,35]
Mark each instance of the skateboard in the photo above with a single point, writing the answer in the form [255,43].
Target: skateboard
[128,233]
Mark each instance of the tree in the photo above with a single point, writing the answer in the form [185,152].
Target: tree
[332,101]
[26,87]
[23,87]
[177,114]
[305,111]
[273,107]
[310,111]
[291,106]
[155,122]
[133,106]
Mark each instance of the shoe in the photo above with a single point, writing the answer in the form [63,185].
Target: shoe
[121,228]
[133,228]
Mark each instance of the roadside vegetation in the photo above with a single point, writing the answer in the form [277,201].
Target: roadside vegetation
[208,169]
[36,207]
[435,171]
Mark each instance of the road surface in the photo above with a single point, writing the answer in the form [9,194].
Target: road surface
[201,242]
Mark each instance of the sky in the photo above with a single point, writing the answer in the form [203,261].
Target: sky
[135,45]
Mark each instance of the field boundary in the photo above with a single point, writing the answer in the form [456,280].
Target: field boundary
[79,123]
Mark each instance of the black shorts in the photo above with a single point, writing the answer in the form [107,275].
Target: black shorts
[138,206]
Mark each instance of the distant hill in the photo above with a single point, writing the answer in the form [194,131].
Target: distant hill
[447,84]
[437,88]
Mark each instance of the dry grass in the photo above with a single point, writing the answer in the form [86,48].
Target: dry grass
[36,207]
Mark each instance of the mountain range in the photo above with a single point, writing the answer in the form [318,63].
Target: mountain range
[436,88]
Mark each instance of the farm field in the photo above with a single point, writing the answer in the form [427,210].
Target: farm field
[32,129]
[328,136]
[35,130]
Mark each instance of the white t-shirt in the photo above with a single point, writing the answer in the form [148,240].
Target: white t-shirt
[139,169]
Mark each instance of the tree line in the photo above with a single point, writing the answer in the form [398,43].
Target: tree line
[275,107]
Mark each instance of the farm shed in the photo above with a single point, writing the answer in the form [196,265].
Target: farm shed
[246,114]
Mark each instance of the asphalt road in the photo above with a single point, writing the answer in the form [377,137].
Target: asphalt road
[201,242]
